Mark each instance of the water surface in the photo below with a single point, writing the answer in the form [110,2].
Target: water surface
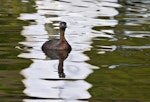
[109,60]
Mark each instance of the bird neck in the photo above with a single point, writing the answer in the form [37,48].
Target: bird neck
[62,35]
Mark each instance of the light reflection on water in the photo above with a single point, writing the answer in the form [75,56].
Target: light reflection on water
[41,78]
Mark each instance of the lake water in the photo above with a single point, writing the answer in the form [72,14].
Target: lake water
[109,61]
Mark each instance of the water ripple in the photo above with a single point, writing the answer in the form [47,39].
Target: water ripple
[105,21]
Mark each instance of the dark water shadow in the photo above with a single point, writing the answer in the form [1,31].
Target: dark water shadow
[61,56]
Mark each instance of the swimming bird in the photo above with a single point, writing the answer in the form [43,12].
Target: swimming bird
[58,44]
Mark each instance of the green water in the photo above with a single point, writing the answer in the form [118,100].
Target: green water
[11,86]
[123,74]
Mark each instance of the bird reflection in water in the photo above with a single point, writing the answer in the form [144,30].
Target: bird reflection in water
[58,54]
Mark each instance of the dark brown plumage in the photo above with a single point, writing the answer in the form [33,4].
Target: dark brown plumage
[58,44]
